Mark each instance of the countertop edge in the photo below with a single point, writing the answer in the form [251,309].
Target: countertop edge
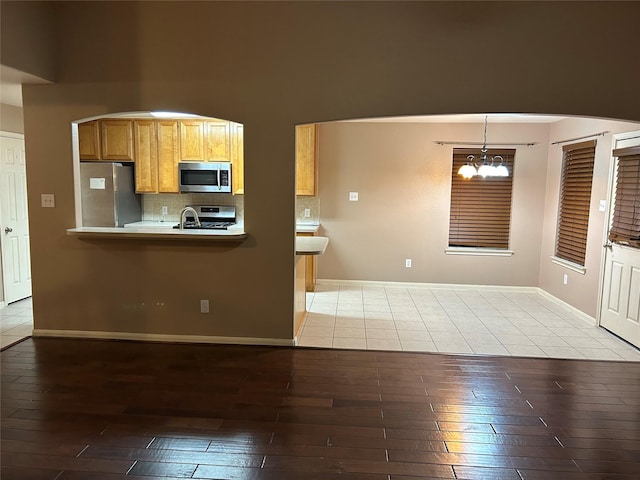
[311,245]
[154,234]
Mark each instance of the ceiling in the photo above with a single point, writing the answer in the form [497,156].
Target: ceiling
[467,118]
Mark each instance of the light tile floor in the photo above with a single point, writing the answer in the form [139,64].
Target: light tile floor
[454,320]
[463,321]
[16,322]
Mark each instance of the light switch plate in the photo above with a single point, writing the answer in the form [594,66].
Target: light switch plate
[602,206]
[47,200]
[353,196]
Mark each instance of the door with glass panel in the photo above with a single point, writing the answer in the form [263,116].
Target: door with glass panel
[620,306]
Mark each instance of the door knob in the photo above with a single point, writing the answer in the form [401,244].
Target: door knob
[8,230]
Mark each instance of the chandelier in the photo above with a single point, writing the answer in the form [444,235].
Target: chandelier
[486,166]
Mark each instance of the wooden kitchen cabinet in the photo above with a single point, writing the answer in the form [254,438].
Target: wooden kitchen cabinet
[89,140]
[306,162]
[237,158]
[168,156]
[192,140]
[146,155]
[116,140]
[310,268]
[157,155]
[218,141]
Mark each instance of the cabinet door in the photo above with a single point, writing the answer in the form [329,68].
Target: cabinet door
[89,140]
[146,155]
[237,158]
[218,141]
[117,140]
[306,160]
[168,156]
[310,268]
[192,144]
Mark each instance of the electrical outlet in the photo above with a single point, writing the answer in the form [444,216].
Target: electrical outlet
[165,210]
[47,200]
[204,306]
[407,263]
[353,196]
[565,279]
[307,212]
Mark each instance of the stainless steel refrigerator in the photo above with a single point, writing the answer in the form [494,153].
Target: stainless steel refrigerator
[108,195]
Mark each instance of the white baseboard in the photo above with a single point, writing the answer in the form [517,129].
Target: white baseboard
[158,337]
[448,286]
[2,305]
[584,316]
[454,286]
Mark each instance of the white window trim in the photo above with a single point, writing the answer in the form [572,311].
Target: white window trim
[581,269]
[475,251]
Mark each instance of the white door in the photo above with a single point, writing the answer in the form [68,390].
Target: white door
[620,305]
[14,219]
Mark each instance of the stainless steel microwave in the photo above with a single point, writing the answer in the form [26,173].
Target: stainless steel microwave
[204,177]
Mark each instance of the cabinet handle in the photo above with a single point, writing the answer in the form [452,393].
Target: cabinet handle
[8,230]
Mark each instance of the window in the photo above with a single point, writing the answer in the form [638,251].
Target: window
[625,227]
[480,214]
[575,199]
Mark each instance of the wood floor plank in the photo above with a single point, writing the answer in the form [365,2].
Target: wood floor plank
[84,409]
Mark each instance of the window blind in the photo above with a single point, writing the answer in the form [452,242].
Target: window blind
[480,214]
[625,226]
[575,199]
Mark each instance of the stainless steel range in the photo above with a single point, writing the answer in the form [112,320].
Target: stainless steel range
[212,217]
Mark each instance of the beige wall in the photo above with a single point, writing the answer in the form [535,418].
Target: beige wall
[270,66]
[404,182]
[582,290]
[11,119]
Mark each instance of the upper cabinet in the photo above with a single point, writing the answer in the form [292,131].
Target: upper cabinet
[218,141]
[205,140]
[156,156]
[306,164]
[89,140]
[157,146]
[237,157]
[192,140]
[146,155]
[117,140]
[168,156]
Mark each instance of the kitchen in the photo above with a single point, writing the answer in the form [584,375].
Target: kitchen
[163,175]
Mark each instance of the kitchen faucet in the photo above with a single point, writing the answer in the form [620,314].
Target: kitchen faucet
[182,216]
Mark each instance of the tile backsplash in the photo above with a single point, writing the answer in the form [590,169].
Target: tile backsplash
[152,204]
[313,204]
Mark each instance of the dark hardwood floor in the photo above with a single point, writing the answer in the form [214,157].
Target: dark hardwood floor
[81,409]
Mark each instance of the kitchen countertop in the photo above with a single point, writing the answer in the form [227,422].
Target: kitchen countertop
[148,229]
[150,223]
[311,245]
[307,227]
[159,233]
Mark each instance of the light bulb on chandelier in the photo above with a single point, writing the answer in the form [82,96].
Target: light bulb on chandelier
[486,167]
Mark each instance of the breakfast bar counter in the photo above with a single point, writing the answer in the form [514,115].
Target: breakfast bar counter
[155,233]
[311,245]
